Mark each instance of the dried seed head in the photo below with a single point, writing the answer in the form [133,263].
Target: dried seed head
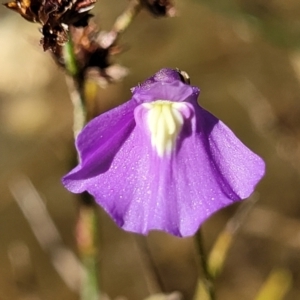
[94,51]
[55,16]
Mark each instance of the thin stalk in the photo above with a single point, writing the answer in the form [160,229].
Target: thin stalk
[125,19]
[153,278]
[203,262]
[86,236]
[86,227]
[76,88]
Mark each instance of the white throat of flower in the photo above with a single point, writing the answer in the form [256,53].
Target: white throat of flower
[164,120]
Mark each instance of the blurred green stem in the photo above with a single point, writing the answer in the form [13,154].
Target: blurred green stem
[86,236]
[153,278]
[76,88]
[203,263]
[125,19]
[86,228]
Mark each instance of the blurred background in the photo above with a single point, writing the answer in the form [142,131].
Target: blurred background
[244,55]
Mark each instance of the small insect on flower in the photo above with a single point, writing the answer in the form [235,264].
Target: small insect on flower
[55,16]
[160,161]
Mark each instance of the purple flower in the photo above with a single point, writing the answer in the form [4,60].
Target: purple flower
[160,161]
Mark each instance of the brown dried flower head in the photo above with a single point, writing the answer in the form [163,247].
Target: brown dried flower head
[55,16]
[94,50]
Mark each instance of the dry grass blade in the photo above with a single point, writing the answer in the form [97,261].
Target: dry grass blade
[276,286]
[31,204]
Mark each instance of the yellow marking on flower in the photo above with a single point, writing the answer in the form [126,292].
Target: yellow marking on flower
[165,121]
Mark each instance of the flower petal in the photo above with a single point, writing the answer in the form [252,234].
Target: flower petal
[143,192]
[98,143]
[164,75]
[207,168]
[174,91]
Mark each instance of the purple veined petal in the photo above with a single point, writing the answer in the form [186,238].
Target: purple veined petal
[143,188]
[98,143]
[237,168]
[209,170]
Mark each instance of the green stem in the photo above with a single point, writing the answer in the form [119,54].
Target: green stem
[125,19]
[70,60]
[86,235]
[76,88]
[154,280]
[86,227]
[203,262]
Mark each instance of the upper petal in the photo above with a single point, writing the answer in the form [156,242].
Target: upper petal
[175,91]
[164,75]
